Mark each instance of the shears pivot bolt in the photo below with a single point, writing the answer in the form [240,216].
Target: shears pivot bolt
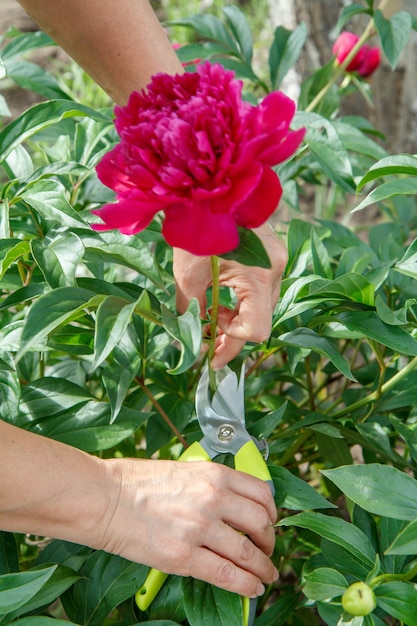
[226,433]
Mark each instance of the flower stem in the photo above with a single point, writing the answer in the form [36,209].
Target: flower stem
[372,397]
[340,69]
[215,297]
[161,411]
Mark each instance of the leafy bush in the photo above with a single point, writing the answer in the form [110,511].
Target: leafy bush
[93,354]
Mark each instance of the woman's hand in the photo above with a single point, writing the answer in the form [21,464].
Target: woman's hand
[257,291]
[184,518]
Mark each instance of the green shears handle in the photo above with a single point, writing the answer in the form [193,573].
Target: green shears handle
[155,579]
[249,460]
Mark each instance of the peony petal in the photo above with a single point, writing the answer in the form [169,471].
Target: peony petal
[126,215]
[263,201]
[110,174]
[196,229]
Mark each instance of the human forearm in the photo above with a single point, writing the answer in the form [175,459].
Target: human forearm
[51,489]
[120,44]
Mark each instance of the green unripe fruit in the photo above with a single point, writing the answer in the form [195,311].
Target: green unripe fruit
[359,599]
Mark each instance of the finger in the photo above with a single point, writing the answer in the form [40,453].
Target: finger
[239,549]
[255,490]
[223,573]
[226,349]
[253,520]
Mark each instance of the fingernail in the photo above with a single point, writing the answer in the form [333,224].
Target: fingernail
[260,590]
[276,574]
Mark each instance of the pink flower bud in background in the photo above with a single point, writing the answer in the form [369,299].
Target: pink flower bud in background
[365,61]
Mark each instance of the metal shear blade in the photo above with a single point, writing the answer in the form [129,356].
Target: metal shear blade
[222,418]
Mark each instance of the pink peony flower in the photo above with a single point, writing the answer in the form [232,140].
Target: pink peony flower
[365,61]
[191,147]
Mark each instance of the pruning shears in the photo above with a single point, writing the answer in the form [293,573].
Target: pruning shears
[222,421]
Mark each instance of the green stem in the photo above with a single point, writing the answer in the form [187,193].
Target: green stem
[340,69]
[215,297]
[161,411]
[388,577]
[372,397]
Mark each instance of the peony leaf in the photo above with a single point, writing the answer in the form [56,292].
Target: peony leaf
[371,326]
[112,319]
[41,116]
[397,164]
[366,485]
[240,28]
[394,33]
[30,76]
[49,199]
[346,15]
[18,588]
[406,541]
[338,531]
[284,52]
[305,338]
[186,329]
[398,599]
[324,583]
[408,263]
[250,251]
[58,259]
[211,606]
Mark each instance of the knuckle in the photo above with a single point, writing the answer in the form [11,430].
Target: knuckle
[246,549]
[226,574]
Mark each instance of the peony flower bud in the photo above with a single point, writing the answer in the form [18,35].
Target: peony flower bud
[365,61]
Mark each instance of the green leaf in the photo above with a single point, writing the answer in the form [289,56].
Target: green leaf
[126,250]
[265,426]
[37,620]
[26,42]
[53,309]
[408,263]
[371,326]
[186,329]
[391,165]
[108,580]
[59,258]
[321,260]
[404,186]
[39,117]
[284,52]
[240,28]
[357,141]
[306,338]
[206,605]
[326,146]
[62,578]
[347,14]
[112,319]
[17,250]
[34,78]
[366,485]
[9,555]
[338,531]
[352,286]
[281,611]
[49,199]
[9,389]
[398,599]
[209,27]
[16,589]
[324,583]
[394,34]
[405,542]
[250,251]
[294,493]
